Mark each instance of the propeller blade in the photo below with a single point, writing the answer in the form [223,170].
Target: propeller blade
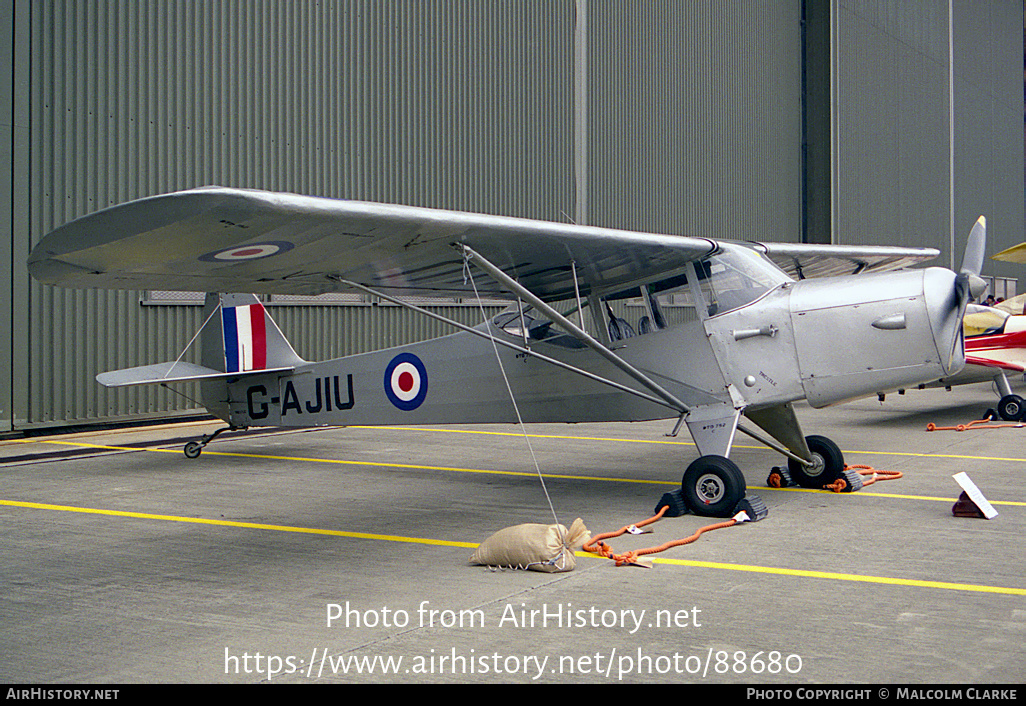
[975,247]
[962,293]
[968,283]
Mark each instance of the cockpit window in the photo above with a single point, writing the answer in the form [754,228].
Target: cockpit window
[534,326]
[735,277]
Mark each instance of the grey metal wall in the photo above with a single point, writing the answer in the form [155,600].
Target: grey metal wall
[892,88]
[455,105]
[8,136]
[666,115]
[466,105]
[988,142]
[694,121]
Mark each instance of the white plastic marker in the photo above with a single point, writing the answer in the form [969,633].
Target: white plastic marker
[975,495]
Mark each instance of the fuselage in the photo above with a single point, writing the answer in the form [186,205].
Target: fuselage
[761,339]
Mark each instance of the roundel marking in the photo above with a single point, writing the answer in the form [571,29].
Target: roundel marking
[406,381]
[254,251]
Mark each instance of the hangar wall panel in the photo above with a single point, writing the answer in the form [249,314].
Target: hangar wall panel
[892,148]
[7,137]
[891,129]
[454,105]
[988,143]
[680,116]
[694,117]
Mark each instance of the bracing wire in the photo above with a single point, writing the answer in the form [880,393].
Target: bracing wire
[193,340]
[468,275]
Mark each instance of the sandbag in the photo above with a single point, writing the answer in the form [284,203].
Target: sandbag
[536,547]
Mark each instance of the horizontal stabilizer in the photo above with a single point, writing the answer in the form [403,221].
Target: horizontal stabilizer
[170,372]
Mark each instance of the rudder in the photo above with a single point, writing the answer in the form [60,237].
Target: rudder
[247,339]
[243,339]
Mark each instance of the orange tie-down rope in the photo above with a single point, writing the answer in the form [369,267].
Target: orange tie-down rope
[596,546]
[976,423]
[840,485]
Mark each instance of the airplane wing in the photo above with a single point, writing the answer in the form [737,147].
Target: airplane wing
[218,239]
[806,260]
[991,363]
[1006,350]
[1016,253]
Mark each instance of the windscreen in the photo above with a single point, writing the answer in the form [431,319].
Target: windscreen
[735,277]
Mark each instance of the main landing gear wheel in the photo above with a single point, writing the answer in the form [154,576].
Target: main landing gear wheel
[1011,408]
[713,486]
[827,464]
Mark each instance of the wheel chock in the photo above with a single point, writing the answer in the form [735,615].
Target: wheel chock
[853,480]
[753,506]
[971,503]
[675,500]
[965,507]
[780,477]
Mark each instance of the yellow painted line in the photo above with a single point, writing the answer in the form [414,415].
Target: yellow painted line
[946,585]
[243,525]
[897,496]
[379,464]
[432,429]
[472,545]
[534,436]
[960,457]
[680,443]
[524,474]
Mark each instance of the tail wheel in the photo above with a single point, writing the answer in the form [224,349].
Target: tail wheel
[713,486]
[1011,408]
[827,464]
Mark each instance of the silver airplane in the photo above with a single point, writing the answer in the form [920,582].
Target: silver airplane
[853,324]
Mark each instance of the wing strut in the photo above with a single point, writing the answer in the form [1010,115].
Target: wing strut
[581,335]
[486,335]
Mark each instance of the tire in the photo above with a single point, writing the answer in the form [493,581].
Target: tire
[193,449]
[713,486]
[1011,408]
[829,464]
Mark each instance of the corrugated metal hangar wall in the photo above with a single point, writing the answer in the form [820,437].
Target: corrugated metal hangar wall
[815,119]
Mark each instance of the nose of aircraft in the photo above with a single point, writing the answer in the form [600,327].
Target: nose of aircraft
[883,331]
[863,334]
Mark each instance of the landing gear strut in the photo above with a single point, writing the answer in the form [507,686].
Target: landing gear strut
[194,448]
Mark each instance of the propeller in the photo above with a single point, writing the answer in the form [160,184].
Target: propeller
[968,282]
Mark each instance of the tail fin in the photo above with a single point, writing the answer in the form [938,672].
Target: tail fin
[243,339]
[247,339]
